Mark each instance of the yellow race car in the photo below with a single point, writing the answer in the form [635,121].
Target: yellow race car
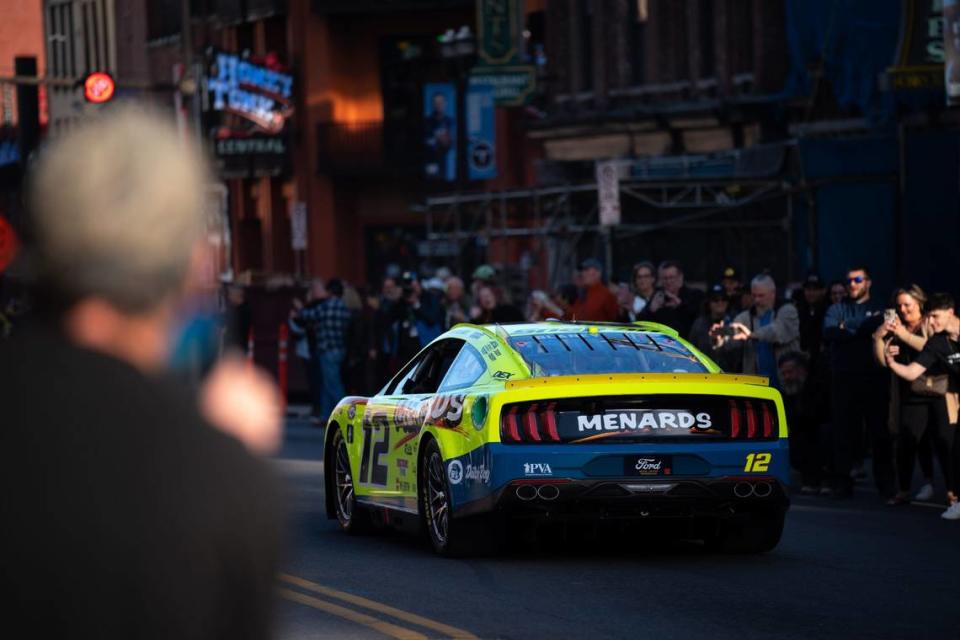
[561,422]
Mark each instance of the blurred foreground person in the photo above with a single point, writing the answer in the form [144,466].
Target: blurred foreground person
[128,510]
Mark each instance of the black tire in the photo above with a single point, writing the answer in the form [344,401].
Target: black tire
[450,537]
[351,517]
[756,533]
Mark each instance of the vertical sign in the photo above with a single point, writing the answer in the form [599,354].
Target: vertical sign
[298,226]
[951,47]
[481,133]
[500,31]
[440,131]
[608,192]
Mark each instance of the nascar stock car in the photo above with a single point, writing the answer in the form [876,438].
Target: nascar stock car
[562,422]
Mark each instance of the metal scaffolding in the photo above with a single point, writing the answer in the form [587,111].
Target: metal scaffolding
[557,218]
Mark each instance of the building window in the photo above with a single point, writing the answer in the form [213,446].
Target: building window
[586,45]
[636,37]
[707,65]
[163,19]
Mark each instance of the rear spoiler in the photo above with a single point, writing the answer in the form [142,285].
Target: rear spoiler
[606,378]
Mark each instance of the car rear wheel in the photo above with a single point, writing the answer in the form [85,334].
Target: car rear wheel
[351,516]
[449,537]
[756,533]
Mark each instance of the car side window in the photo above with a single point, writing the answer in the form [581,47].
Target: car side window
[396,385]
[465,370]
[431,370]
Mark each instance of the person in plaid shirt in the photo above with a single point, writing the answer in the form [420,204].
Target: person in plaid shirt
[326,321]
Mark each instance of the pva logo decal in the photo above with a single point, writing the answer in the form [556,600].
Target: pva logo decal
[537,469]
[502,375]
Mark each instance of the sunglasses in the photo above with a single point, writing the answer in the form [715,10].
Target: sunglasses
[857,279]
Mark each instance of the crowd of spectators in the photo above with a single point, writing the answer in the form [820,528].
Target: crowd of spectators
[851,369]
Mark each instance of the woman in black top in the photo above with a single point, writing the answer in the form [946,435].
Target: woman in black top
[919,418]
[941,350]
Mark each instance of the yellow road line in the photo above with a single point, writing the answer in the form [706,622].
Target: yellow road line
[386,628]
[447,630]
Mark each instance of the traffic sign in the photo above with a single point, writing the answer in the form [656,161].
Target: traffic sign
[98,87]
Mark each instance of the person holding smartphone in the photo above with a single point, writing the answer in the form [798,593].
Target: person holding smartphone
[917,418]
[942,349]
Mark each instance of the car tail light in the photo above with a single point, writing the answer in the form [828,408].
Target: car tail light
[539,424]
[746,416]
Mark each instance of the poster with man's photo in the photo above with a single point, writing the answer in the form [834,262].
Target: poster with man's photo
[440,131]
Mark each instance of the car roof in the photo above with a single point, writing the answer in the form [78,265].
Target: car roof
[567,326]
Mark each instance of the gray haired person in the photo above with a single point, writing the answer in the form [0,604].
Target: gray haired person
[763,333]
[132,508]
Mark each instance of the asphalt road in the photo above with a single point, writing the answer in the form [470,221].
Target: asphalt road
[844,569]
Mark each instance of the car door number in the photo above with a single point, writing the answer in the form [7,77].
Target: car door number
[376,446]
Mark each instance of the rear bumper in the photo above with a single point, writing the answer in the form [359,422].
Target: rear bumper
[634,499]
[571,481]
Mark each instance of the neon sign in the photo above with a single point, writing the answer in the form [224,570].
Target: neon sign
[259,94]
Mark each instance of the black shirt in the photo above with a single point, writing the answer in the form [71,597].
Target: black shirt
[906,356]
[124,515]
[683,315]
[941,351]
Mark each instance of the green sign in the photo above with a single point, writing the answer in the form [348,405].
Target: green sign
[512,85]
[500,31]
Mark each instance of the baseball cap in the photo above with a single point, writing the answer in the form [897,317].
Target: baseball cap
[484,272]
[730,273]
[717,291]
[813,281]
[590,263]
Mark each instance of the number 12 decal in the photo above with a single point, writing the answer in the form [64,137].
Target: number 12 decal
[757,462]
[376,446]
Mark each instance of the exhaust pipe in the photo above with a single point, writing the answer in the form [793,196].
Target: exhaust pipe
[548,492]
[743,489]
[526,492]
[762,489]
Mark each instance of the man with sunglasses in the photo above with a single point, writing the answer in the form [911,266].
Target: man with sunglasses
[858,386]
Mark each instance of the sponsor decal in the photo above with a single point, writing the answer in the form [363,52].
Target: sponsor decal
[350,433]
[502,375]
[447,410]
[478,473]
[537,469]
[478,413]
[491,350]
[648,466]
[409,415]
[644,420]
[408,449]
[402,467]
[455,472]
[403,485]
[352,412]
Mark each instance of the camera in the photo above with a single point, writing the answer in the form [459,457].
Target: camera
[727,330]
[889,315]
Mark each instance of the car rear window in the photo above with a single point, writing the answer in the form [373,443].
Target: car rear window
[585,352]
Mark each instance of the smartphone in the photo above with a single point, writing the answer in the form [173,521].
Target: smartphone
[727,330]
[889,315]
